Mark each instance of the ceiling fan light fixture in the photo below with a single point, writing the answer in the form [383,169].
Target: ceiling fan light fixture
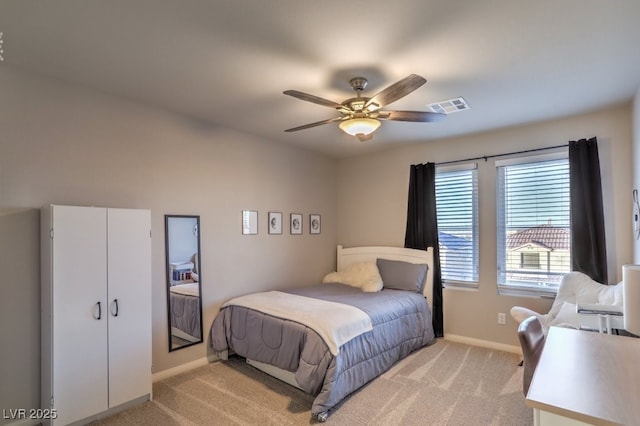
[355,126]
[360,115]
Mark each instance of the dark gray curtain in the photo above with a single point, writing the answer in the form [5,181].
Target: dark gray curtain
[422,229]
[588,247]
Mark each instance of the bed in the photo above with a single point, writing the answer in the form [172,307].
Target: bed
[332,338]
[185,311]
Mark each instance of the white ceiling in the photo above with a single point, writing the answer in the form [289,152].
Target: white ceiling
[227,62]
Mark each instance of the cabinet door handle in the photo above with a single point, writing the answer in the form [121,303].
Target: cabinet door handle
[99,311]
[115,302]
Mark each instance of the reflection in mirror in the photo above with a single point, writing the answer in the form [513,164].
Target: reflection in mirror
[184,277]
[249,222]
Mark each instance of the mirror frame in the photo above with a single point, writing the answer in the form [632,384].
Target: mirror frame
[167,218]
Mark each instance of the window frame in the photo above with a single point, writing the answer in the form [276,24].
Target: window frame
[507,288]
[472,283]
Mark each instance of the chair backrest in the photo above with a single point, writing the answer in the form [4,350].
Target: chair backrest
[531,339]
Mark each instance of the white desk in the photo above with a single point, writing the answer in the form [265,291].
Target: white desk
[586,378]
[599,317]
[601,323]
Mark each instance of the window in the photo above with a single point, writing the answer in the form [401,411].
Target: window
[457,210]
[530,260]
[533,218]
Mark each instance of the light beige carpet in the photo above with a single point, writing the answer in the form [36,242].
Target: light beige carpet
[443,384]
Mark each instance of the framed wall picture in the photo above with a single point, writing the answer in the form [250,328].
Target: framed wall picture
[314,224]
[296,223]
[275,223]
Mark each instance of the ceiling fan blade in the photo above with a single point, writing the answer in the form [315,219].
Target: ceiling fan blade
[397,90]
[419,116]
[312,98]
[317,123]
[363,138]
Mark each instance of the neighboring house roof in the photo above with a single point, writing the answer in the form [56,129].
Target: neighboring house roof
[453,242]
[545,236]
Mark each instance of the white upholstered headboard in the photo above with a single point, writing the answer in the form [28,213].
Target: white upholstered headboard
[347,256]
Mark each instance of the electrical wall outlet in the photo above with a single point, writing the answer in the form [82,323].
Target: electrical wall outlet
[502,318]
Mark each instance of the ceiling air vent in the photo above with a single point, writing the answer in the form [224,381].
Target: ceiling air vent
[449,106]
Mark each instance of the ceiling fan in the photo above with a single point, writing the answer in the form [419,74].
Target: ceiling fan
[360,116]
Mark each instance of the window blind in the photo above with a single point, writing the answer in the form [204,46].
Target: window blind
[457,211]
[533,225]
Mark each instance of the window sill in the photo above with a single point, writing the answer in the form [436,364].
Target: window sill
[523,292]
[460,285]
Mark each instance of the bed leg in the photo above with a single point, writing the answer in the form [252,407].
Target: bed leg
[322,417]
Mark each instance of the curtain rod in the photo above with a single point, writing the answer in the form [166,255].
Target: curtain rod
[486,157]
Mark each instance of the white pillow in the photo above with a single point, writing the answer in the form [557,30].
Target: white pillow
[364,276]
[611,294]
[568,316]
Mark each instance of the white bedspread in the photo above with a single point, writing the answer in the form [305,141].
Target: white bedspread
[191,289]
[336,323]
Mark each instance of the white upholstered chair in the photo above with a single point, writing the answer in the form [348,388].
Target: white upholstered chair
[574,288]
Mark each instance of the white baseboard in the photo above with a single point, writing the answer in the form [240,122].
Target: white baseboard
[170,372]
[483,343]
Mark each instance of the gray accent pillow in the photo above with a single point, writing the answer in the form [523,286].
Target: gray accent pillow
[400,275]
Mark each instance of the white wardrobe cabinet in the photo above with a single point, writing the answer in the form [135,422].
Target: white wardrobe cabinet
[96,310]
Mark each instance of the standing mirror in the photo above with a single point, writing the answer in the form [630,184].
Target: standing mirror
[184,278]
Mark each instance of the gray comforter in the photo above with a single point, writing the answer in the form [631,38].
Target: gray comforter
[185,313]
[401,324]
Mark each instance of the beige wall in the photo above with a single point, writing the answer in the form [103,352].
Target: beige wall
[64,145]
[19,308]
[372,205]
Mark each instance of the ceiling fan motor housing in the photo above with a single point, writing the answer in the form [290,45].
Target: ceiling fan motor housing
[355,105]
